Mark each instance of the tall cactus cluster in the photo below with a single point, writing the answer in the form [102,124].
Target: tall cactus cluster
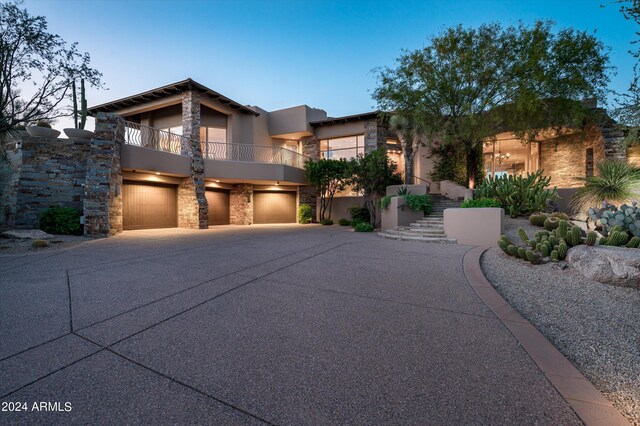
[556,243]
[82,112]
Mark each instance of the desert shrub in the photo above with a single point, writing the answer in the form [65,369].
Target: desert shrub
[344,222]
[385,201]
[61,220]
[363,227]
[519,195]
[419,203]
[616,182]
[305,213]
[326,221]
[480,202]
[40,244]
[359,214]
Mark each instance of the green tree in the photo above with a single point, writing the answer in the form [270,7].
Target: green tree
[32,57]
[329,177]
[627,104]
[469,84]
[411,134]
[372,173]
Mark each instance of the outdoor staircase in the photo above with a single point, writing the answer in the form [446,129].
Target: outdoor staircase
[430,229]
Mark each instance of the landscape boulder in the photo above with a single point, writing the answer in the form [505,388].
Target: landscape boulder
[26,234]
[611,265]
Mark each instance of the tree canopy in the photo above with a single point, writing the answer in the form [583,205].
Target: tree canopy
[329,177]
[42,63]
[627,108]
[469,84]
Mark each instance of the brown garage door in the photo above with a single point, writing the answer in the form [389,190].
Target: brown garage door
[274,207]
[146,205]
[218,200]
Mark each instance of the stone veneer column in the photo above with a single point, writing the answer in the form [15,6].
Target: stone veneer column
[613,142]
[308,194]
[102,204]
[241,204]
[193,210]
[376,134]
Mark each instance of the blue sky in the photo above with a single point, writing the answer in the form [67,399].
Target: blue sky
[277,54]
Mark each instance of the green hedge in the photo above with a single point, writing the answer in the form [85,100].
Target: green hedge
[480,202]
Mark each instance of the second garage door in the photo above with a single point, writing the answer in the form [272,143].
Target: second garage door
[218,200]
[146,205]
[274,207]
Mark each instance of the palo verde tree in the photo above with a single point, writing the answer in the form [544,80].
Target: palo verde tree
[329,177]
[371,174]
[469,84]
[36,69]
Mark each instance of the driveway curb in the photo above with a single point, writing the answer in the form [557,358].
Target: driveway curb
[587,401]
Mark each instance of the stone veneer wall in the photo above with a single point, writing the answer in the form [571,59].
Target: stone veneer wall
[9,178]
[192,201]
[565,159]
[102,202]
[633,155]
[48,173]
[376,134]
[613,142]
[308,194]
[241,204]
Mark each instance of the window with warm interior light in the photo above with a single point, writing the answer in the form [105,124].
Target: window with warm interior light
[346,147]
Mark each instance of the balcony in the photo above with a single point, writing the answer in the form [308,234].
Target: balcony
[153,150]
[252,153]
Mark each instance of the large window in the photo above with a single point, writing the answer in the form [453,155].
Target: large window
[213,134]
[346,147]
[213,141]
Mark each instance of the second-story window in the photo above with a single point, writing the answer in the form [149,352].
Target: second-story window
[346,147]
[213,134]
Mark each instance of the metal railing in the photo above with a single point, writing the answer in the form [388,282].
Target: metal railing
[149,137]
[252,153]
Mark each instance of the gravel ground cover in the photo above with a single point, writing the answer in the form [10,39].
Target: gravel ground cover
[594,325]
[24,246]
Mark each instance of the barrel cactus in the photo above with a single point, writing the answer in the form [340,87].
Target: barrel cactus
[537,219]
[503,245]
[522,253]
[634,242]
[513,250]
[574,236]
[533,257]
[545,250]
[617,238]
[591,238]
[551,223]
[554,256]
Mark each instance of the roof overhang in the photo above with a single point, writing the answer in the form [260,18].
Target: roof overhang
[345,119]
[166,91]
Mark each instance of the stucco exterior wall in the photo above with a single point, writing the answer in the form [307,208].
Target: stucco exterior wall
[633,155]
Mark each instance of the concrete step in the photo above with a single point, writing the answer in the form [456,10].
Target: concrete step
[415,233]
[441,240]
[426,226]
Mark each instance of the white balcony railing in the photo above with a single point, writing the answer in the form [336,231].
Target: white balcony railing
[252,153]
[150,137]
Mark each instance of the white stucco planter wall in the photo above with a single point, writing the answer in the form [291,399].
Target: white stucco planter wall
[398,214]
[474,226]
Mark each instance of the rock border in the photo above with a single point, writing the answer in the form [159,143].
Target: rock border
[585,400]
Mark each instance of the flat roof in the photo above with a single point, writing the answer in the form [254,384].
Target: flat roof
[345,119]
[168,90]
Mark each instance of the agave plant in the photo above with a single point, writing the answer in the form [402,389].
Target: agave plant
[616,182]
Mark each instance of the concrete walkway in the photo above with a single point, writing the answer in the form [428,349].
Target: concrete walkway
[262,324]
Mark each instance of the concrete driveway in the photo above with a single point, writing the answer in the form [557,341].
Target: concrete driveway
[263,324]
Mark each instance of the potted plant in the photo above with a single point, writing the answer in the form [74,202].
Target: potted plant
[42,129]
[78,133]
